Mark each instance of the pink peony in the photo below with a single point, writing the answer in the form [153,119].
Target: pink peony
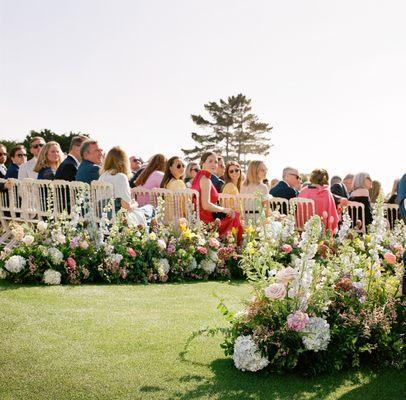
[389,258]
[275,291]
[83,244]
[286,248]
[297,321]
[213,242]
[399,249]
[131,252]
[71,263]
[201,250]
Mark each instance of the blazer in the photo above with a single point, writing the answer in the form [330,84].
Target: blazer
[67,170]
[3,171]
[217,182]
[46,173]
[12,171]
[402,196]
[339,192]
[87,172]
[282,189]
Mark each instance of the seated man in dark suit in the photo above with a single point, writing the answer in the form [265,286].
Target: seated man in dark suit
[342,190]
[89,168]
[67,170]
[286,188]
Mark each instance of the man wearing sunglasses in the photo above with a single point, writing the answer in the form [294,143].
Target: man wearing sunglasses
[287,187]
[27,170]
[3,159]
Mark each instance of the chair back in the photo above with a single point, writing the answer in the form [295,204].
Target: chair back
[303,209]
[38,201]
[102,200]
[356,212]
[392,213]
[279,204]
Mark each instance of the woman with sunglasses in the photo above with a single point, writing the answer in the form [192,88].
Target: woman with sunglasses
[209,210]
[232,177]
[48,161]
[191,170]
[172,179]
[18,156]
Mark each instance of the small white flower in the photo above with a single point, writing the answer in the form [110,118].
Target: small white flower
[28,240]
[316,334]
[152,236]
[15,264]
[247,356]
[161,244]
[116,258]
[3,273]
[42,226]
[359,273]
[193,264]
[52,277]
[207,265]
[163,266]
[60,238]
[55,255]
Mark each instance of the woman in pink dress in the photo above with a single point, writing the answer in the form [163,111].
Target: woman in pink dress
[319,191]
[151,177]
[209,210]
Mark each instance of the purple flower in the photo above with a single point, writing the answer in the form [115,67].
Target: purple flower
[297,321]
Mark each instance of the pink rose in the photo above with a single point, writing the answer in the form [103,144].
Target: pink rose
[213,242]
[71,263]
[83,244]
[286,248]
[297,321]
[275,291]
[201,250]
[286,275]
[399,249]
[131,252]
[389,258]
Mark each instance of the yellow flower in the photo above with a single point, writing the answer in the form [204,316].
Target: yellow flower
[234,230]
[249,229]
[188,234]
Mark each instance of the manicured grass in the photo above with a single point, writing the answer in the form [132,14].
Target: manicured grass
[124,342]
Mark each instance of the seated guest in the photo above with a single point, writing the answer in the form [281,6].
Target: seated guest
[172,179]
[393,197]
[254,184]
[91,155]
[375,191]
[69,167]
[362,184]
[209,210]
[334,180]
[286,187]
[341,190]
[3,159]
[136,164]
[216,179]
[116,170]
[319,191]
[401,196]
[274,182]
[232,177]
[49,160]
[18,156]
[191,170]
[27,170]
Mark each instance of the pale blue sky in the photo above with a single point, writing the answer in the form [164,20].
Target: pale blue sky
[330,76]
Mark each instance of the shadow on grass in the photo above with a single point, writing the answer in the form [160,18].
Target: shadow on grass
[229,384]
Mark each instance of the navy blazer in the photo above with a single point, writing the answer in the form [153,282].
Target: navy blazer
[339,191]
[282,189]
[402,196]
[67,170]
[217,182]
[12,171]
[46,173]
[87,172]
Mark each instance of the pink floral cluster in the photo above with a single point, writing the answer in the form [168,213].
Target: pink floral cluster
[297,321]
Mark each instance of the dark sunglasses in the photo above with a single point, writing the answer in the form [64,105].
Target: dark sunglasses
[35,146]
[195,169]
[179,166]
[232,171]
[21,155]
[296,176]
[3,154]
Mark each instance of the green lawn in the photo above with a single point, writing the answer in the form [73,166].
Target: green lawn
[124,342]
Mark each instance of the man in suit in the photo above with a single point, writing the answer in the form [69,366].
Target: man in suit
[69,167]
[27,169]
[343,189]
[286,188]
[402,207]
[3,159]
[216,180]
[92,156]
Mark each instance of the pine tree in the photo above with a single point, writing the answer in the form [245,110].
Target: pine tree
[232,131]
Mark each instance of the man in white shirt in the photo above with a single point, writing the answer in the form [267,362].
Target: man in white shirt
[3,159]
[27,169]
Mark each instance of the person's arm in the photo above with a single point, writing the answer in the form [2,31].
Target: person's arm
[123,191]
[205,186]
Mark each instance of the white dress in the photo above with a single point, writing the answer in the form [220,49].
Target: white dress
[122,191]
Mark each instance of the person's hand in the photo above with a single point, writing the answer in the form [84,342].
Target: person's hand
[343,202]
[8,185]
[230,212]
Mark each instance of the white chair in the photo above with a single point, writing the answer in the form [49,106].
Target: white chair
[102,201]
[5,213]
[279,204]
[392,213]
[37,200]
[143,196]
[356,211]
[249,204]
[303,210]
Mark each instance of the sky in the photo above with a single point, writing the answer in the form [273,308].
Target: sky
[329,76]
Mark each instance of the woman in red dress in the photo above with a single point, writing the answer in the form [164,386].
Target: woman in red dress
[209,210]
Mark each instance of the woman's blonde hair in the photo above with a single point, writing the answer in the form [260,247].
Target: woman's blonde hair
[116,161]
[252,177]
[43,156]
[375,190]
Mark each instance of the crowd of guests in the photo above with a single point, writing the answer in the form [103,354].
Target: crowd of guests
[86,162]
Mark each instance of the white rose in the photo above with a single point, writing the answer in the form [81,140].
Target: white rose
[28,240]
[207,266]
[286,275]
[275,291]
[42,226]
[60,238]
[15,264]
[52,277]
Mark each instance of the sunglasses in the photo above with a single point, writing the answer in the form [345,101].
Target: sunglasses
[179,166]
[35,146]
[21,155]
[3,154]
[234,171]
[296,176]
[195,169]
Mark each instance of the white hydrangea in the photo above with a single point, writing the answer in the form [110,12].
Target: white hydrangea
[161,244]
[247,356]
[42,226]
[55,255]
[163,266]
[207,265]
[28,240]
[116,258]
[193,264]
[15,264]
[3,273]
[316,334]
[213,256]
[52,277]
